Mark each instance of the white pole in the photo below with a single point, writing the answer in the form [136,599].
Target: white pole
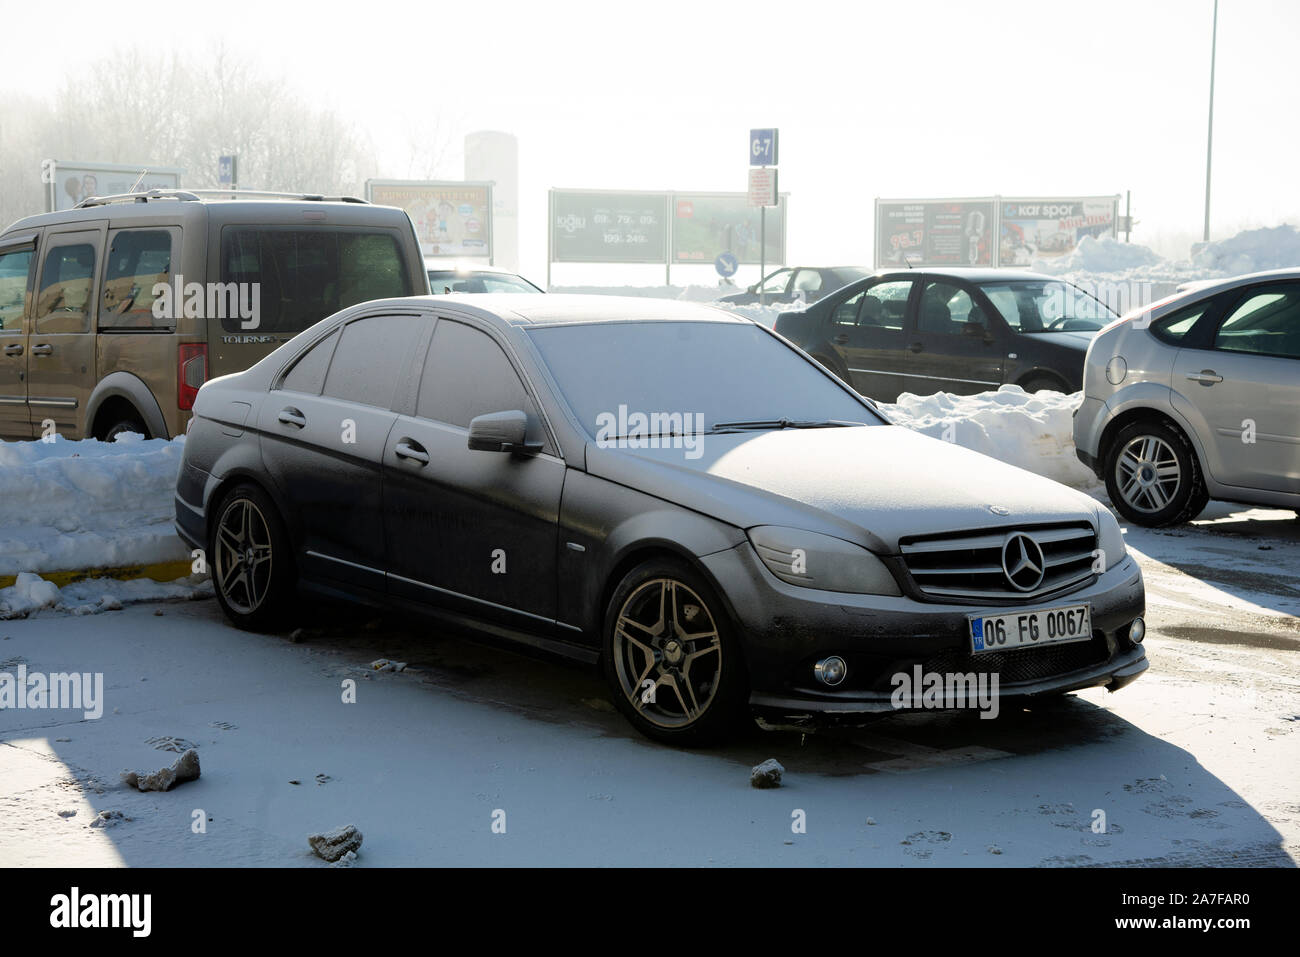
[1209,138]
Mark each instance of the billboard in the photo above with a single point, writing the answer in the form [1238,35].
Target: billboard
[705,225]
[68,182]
[452,219]
[598,226]
[935,232]
[1049,227]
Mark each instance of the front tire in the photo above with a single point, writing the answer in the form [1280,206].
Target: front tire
[250,559]
[1153,477]
[670,659]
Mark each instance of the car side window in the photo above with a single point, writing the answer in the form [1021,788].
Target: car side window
[370,358]
[63,303]
[308,373]
[846,313]
[138,259]
[946,309]
[776,282]
[15,273]
[466,373]
[884,305]
[808,280]
[1266,323]
[1174,327]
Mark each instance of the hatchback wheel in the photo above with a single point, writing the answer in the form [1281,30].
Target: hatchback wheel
[670,659]
[1153,477]
[249,555]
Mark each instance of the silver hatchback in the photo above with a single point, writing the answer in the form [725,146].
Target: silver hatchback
[1197,397]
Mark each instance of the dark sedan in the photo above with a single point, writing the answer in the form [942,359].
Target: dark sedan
[804,283]
[662,488]
[951,330]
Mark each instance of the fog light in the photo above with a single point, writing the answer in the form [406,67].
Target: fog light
[1137,631]
[831,671]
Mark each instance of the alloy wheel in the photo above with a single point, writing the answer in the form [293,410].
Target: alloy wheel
[242,566]
[1147,473]
[667,653]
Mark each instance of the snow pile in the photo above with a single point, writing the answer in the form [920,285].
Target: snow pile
[1252,250]
[764,315]
[687,293]
[31,593]
[1104,255]
[1034,432]
[88,504]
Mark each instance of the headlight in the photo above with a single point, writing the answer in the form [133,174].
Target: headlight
[820,561]
[1110,539]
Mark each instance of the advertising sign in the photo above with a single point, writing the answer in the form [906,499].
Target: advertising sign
[935,232]
[762,187]
[705,225]
[1046,228]
[68,182]
[595,226]
[452,219]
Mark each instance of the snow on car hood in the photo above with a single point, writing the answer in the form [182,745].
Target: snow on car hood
[870,485]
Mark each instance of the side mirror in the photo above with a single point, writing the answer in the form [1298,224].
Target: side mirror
[502,432]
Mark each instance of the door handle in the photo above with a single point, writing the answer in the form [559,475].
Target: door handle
[408,449]
[293,417]
[841,339]
[44,349]
[915,347]
[15,349]
[1205,377]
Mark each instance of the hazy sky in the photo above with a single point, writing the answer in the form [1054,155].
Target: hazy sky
[872,99]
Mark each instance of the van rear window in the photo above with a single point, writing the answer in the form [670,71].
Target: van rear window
[303,275]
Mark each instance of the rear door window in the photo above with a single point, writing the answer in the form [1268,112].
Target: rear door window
[138,260]
[371,358]
[301,275]
[65,300]
[1266,323]
[308,373]
[15,272]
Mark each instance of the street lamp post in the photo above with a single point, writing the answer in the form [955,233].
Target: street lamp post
[1209,138]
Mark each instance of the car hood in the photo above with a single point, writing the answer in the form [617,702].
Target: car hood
[870,485]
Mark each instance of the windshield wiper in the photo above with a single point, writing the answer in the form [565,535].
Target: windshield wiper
[757,424]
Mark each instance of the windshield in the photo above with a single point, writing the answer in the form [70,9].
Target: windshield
[706,372]
[1047,305]
[445,280]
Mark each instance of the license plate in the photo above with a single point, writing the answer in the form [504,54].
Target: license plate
[1002,631]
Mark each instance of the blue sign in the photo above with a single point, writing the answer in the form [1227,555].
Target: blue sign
[762,148]
[226,170]
[726,265]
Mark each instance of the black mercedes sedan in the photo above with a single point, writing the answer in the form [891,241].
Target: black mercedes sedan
[664,489]
[951,330]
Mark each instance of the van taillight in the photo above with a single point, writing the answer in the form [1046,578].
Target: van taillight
[191,373]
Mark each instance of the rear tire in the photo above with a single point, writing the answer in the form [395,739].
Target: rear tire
[670,658]
[251,559]
[1153,476]
[1042,383]
[127,424]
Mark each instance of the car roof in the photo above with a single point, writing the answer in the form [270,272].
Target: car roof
[528,309]
[224,209]
[973,273]
[461,269]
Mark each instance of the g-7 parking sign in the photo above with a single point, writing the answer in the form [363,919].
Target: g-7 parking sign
[762,147]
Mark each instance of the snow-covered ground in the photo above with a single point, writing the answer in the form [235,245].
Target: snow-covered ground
[1193,765]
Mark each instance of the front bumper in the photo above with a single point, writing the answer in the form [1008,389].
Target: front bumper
[785,629]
